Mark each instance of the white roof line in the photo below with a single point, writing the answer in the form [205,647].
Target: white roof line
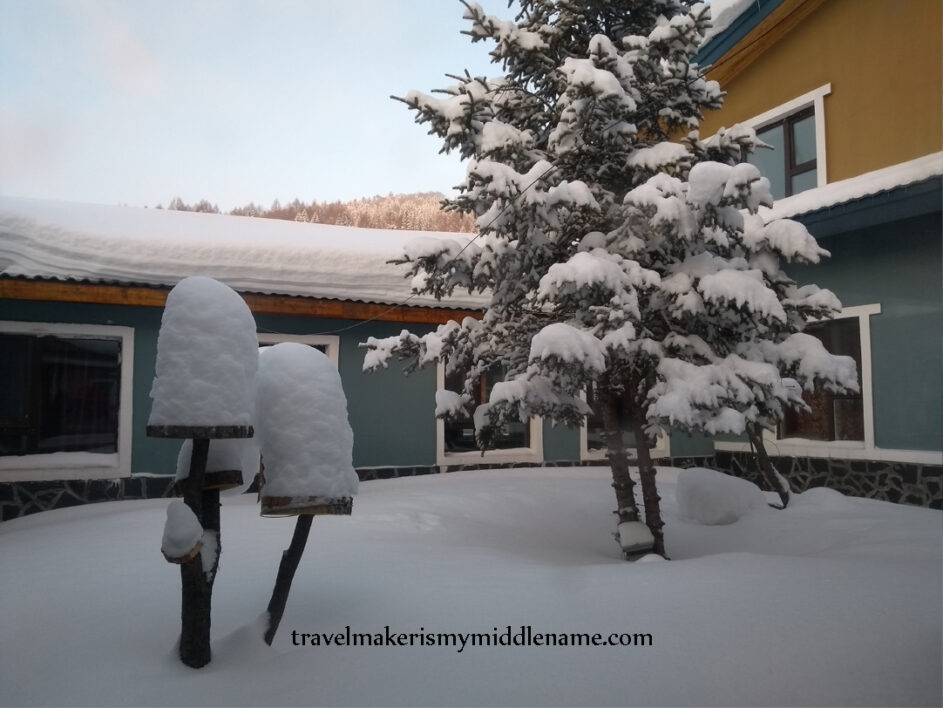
[863,185]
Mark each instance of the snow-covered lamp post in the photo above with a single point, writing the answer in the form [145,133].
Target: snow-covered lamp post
[207,355]
[307,450]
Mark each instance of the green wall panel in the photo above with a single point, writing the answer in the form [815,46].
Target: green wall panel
[392,415]
[896,265]
[561,443]
[690,445]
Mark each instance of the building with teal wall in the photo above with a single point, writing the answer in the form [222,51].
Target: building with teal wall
[885,266]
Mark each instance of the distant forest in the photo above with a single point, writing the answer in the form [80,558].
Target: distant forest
[414,212]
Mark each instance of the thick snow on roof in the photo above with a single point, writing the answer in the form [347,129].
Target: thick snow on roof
[864,185]
[131,245]
[723,14]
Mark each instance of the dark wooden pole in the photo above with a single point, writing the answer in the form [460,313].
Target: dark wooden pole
[286,573]
[211,522]
[195,591]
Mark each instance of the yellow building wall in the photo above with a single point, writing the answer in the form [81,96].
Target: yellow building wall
[884,60]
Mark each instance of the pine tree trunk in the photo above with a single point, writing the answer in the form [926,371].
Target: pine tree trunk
[755,432]
[650,497]
[613,422]
[286,573]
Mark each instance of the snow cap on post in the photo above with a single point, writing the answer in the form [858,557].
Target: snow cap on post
[303,432]
[207,354]
[183,535]
[228,462]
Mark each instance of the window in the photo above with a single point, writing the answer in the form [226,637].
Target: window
[839,426]
[594,431]
[796,133]
[790,166]
[67,389]
[516,442]
[324,343]
[460,432]
[592,434]
[832,417]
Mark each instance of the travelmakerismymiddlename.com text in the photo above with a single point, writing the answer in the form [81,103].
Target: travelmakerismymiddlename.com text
[521,636]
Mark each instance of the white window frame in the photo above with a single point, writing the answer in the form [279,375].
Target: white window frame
[815,98]
[79,465]
[533,453]
[661,449]
[330,343]
[844,449]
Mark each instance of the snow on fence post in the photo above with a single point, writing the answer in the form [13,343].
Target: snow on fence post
[307,451]
[207,355]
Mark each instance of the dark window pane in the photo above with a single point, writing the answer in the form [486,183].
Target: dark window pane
[67,394]
[805,180]
[14,402]
[772,163]
[803,140]
[460,432]
[833,417]
[14,372]
[595,427]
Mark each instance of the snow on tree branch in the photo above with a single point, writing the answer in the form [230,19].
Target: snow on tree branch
[620,252]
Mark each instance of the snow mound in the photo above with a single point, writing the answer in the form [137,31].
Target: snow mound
[821,499]
[634,536]
[223,455]
[710,497]
[301,424]
[182,531]
[207,354]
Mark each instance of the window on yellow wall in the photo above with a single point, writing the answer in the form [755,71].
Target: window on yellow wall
[790,162]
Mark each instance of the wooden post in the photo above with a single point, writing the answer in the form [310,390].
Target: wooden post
[211,522]
[196,586]
[286,573]
[195,592]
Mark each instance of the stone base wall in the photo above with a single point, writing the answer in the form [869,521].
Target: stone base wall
[898,482]
[24,498]
[921,485]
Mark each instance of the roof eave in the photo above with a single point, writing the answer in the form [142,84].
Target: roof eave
[129,295]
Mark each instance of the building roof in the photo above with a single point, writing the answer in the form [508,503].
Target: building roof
[857,188]
[90,243]
[84,243]
[733,20]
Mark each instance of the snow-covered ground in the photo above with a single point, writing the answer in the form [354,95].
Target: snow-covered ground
[835,601]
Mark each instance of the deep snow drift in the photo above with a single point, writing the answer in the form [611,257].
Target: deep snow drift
[833,601]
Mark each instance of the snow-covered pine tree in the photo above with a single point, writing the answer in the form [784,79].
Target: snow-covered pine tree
[616,256]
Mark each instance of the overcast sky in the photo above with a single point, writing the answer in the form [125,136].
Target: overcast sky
[138,101]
